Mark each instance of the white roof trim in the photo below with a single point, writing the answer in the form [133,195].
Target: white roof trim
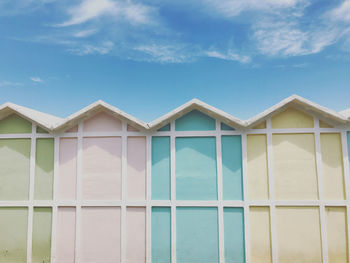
[48,121]
[196,104]
[301,103]
[95,107]
[345,113]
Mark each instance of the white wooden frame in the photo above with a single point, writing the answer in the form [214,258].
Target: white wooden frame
[148,203]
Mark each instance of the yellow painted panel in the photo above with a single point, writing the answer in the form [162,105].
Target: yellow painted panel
[292,118]
[332,166]
[298,234]
[325,125]
[294,167]
[260,242]
[261,125]
[336,234]
[257,167]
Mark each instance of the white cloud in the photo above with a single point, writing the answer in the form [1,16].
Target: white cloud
[92,9]
[88,49]
[229,55]
[164,53]
[342,12]
[85,33]
[5,83]
[36,79]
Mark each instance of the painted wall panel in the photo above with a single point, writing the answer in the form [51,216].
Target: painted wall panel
[261,125]
[136,171]
[102,122]
[13,237]
[41,244]
[161,168]
[131,128]
[225,127]
[260,234]
[298,234]
[337,234]
[294,167]
[100,242]
[15,124]
[332,166]
[161,235]
[258,188]
[165,128]
[101,177]
[67,179]
[234,235]
[196,168]
[195,121]
[232,167]
[43,186]
[14,179]
[292,118]
[135,234]
[197,237]
[65,235]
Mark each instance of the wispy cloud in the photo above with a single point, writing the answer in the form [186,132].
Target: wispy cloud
[6,83]
[229,55]
[36,79]
[92,9]
[87,49]
[85,33]
[342,12]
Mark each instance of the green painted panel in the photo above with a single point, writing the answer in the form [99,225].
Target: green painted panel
[44,169]
[234,235]
[161,168]
[225,127]
[161,234]
[197,236]
[41,246]
[15,166]
[13,234]
[40,130]
[196,168]
[232,167]
[195,121]
[15,124]
[165,128]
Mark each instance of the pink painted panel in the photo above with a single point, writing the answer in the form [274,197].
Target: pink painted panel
[135,234]
[130,128]
[100,235]
[65,236]
[101,177]
[67,168]
[102,122]
[73,129]
[136,171]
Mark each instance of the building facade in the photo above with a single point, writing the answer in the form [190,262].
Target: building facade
[195,185]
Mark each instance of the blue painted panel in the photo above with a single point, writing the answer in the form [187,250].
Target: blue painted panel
[197,235]
[234,235]
[225,127]
[196,168]
[165,128]
[195,121]
[161,168]
[161,234]
[232,167]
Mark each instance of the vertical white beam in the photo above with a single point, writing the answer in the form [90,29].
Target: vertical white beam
[31,193]
[345,142]
[124,194]
[54,207]
[271,192]
[220,193]
[245,197]
[149,196]
[78,192]
[321,190]
[173,192]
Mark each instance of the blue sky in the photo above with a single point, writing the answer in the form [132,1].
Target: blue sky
[148,57]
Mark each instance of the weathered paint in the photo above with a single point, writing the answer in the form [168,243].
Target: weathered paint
[197,237]
[14,172]
[232,167]
[161,168]
[43,186]
[196,168]
[161,235]
[41,245]
[258,188]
